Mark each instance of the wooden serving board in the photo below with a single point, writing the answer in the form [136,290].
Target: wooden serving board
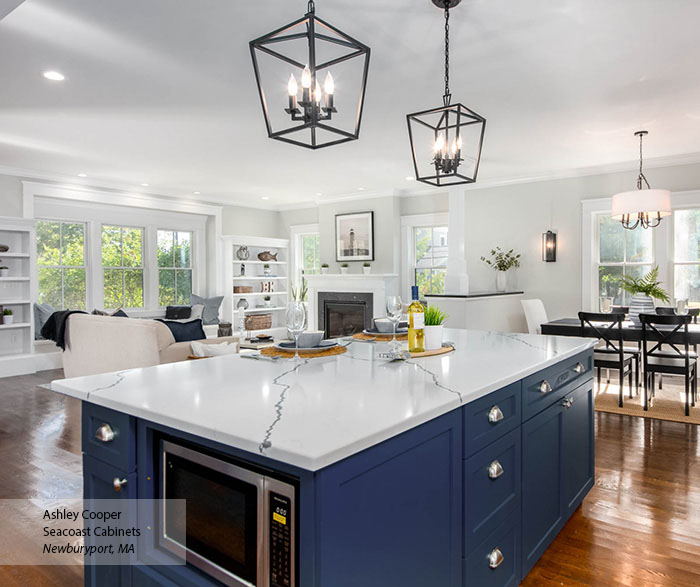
[442,351]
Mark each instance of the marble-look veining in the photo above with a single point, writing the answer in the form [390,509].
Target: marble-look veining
[320,411]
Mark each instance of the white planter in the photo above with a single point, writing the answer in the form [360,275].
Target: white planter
[7,319]
[324,270]
[432,337]
[501,277]
[366,270]
[4,272]
[344,270]
[640,304]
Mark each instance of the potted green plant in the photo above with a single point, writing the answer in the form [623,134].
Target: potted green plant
[4,271]
[266,270]
[502,262]
[435,319]
[324,268]
[644,291]
[366,268]
[7,316]
[267,301]
[344,268]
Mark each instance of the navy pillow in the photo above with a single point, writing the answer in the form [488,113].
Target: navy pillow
[186,331]
[177,312]
[119,314]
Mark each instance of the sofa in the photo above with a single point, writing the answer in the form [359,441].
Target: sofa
[101,344]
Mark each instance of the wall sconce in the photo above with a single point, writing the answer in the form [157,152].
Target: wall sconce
[549,246]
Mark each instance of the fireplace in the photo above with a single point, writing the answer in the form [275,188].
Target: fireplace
[344,313]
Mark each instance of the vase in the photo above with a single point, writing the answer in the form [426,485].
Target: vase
[324,270]
[4,272]
[501,280]
[640,304]
[343,270]
[366,270]
[8,319]
[242,253]
[433,337]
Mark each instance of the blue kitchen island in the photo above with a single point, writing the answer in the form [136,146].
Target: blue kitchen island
[456,470]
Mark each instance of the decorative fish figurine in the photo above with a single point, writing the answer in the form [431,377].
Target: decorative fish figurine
[267,256]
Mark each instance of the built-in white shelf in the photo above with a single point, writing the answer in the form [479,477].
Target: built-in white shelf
[258,294]
[15,325]
[14,278]
[260,262]
[255,310]
[14,302]
[258,278]
[14,255]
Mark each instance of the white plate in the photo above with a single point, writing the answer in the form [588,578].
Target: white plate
[373,332]
[289,346]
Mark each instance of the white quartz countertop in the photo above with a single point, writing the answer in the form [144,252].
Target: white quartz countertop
[323,410]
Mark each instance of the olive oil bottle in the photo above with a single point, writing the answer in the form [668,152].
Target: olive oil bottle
[416,322]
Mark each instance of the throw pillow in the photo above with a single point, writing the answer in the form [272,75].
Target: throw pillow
[185,331]
[97,312]
[41,315]
[119,314]
[196,314]
[177,312]
[211,307]
[200,349]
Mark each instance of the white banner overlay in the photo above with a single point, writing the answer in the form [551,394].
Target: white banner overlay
[93,532]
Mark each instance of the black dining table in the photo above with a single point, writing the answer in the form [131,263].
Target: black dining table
[630,332]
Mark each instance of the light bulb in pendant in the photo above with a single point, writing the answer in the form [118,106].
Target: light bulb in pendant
[439,145]
[329,84]
[292,87]
[317,93]
[306,78]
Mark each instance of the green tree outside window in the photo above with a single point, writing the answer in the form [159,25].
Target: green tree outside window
[174,267]
[122,262]
[61,264]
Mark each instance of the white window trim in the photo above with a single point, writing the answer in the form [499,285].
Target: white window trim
[408,223]
[295,232]
[663,244]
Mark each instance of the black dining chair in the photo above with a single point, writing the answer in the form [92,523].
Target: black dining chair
[669,311]
[611,354]
[621,310]
[672,332]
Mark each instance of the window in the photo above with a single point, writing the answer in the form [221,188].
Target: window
[61,264]
[174,267]
[686,261]
[122,261]
[310,254]
[430,258]
[621,252]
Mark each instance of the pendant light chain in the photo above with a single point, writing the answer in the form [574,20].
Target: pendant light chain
[447,97]
[641,177]
[310,7]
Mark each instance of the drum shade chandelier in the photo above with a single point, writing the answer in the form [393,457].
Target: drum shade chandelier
[311,47]
[641,207]
[455,133]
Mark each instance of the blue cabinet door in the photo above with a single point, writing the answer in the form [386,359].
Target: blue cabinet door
[98,483]
[543,510]
[579,465]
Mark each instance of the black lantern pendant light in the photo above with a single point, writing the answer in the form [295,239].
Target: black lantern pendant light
[446,141]
[311,47]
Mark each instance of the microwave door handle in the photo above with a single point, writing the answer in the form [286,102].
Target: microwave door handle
[263,534]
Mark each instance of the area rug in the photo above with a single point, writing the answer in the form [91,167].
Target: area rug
[669,403]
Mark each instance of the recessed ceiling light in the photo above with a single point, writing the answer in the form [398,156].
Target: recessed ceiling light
[360,189]
[319,194]
[410,178]
[54,76]
[196,193]
[82,175]
[144,185]
[265,198]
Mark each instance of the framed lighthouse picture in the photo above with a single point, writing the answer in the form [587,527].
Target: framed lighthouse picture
[354,237]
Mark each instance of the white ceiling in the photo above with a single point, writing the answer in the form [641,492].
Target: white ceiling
[162,91]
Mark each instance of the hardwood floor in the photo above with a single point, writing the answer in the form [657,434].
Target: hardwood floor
[639,526]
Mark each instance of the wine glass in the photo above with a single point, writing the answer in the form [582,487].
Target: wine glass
[394,309]
[296,321]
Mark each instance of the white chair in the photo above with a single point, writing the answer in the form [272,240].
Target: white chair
[535,315]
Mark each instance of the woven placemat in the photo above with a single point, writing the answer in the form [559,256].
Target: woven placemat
[380,337]
[275,352]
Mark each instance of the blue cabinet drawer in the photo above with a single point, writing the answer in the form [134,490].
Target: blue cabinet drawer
[490,417]
[492,482]
[545,387]
[496,561]
[120,450]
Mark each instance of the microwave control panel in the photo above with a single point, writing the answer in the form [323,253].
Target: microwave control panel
[280,541]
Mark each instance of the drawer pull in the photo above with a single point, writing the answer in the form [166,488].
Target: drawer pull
[495,415]
[545,387]
[104,433]
[579,368]
[118,483]
[495,558]
[568,402]
[495,470]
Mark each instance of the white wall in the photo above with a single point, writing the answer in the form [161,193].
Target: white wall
[250,221]
[10,196]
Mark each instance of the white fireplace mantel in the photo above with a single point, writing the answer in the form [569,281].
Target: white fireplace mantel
[379,285]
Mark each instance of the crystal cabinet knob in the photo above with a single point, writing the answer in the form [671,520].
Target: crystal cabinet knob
[495,558]
[495,470]
[545,387]
[579,368]
[118,483]
[568,402]
[495,415]
[104,433]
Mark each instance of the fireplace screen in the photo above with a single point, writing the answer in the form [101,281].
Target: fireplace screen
[344,314]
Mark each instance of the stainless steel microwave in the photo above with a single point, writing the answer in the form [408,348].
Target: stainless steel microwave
[240,524]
